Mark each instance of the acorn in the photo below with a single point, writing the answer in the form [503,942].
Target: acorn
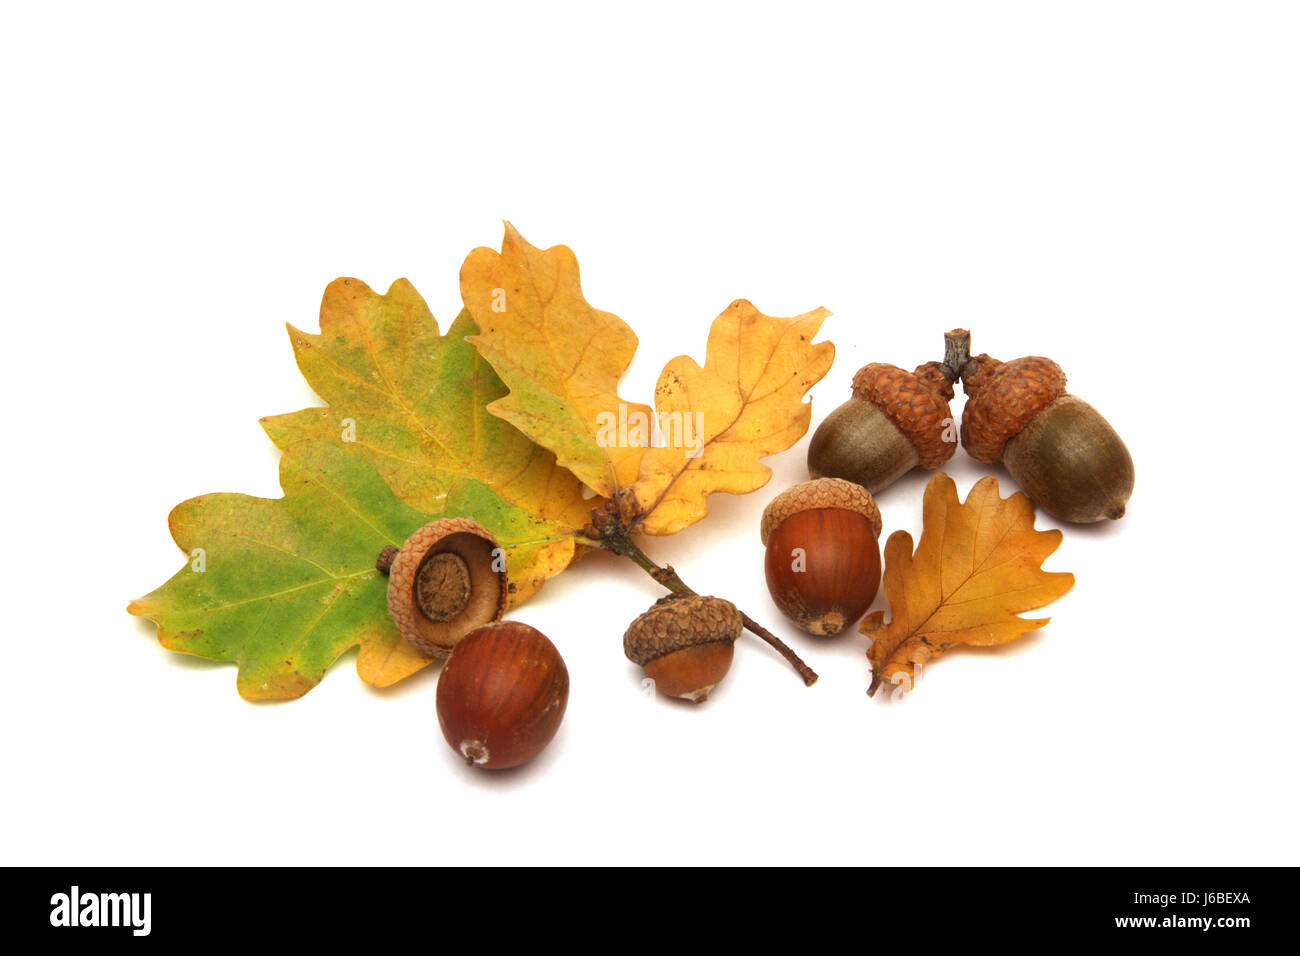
[685,643]
[502,694]
[447,579]
[1062,452]
[895,421]
[823,553]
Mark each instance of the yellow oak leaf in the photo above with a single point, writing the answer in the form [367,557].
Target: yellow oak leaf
[560,358]
[718,420]
[978,565]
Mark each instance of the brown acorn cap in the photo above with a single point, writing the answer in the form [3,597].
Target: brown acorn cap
[679,621]
[819,493]
[442,584]
[916,403]
[1002,398]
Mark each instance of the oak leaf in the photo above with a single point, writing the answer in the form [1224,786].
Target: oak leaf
[748,402]
[284,586]
[562,360]
[977,566]
[414,402]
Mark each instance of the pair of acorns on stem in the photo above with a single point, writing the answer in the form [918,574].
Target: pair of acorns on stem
[823,555]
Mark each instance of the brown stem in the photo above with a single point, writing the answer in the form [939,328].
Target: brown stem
[621,543]
[385,560]
[956,353]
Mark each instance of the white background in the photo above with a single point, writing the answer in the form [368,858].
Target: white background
[1113,185]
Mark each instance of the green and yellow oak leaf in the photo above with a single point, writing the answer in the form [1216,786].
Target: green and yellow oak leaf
[284,586]
[414,402]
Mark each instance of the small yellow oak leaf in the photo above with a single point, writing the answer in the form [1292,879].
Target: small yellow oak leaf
[560,358]
[978,565]
[718,420]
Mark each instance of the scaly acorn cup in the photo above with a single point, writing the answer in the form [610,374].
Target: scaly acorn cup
[895,421]
[448,578]
[685,643]
[1066,457]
